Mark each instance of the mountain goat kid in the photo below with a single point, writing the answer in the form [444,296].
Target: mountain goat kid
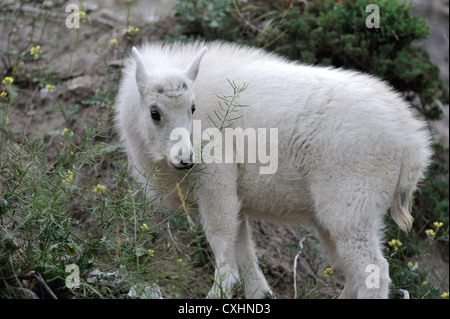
[349,149]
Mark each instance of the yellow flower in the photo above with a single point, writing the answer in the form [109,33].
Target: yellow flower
[71,250]
[328,272]
[179,260]
[7,81]
[444,295]
[150,252]
[100,189]
[69,177]
[80,14]
[3,95]
[144,227]
[35,51]
[67,132]
[49,87]
[133,30]
[127,1]
[425,283]
[438,225]
[395,243]
[114,42]
[411,265]
[430,232]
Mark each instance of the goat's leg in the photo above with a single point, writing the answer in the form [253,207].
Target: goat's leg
[255,284]
[219,208]
[353,221]
[358,254]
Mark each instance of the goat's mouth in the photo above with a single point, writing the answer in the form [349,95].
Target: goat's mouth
[183,166]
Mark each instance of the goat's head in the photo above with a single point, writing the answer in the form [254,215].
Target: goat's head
[166,107]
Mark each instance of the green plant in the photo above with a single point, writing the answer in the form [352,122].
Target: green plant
[406,252]
[208,19]
[328,33]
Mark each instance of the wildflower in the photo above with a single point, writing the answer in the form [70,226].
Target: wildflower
[395,243]
[7,81]
[35,51]
[144,227]
[127,1]
[132,30]
[67,132]
[150,252]
[328,272]
[444,295]
[71,250]
[69,177]
[49,88]
[100,189]
[80,14]
[179,260]
[411,265]
[114,42]
[438,225]
[425,283]
[3,95]
[430,233]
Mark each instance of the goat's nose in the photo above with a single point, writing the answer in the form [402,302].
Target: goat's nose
[186,163]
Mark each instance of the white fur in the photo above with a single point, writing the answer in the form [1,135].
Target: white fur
[349,149]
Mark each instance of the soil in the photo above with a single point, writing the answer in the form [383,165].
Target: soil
[84,51]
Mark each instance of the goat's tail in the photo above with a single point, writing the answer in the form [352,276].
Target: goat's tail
[400,210]
[412,170]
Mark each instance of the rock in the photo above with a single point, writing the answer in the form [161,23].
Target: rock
[117,279]
[85,86]
[436,13]
[120,279]
[147,292]
[23,293]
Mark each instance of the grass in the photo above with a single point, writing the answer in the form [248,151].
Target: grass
[66,196]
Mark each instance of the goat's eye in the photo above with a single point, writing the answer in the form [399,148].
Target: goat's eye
[155,115]
[193,108]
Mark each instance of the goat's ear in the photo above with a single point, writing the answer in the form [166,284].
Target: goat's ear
[191,71]
[141,71]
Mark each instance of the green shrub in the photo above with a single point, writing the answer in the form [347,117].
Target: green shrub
[206,18]
[336,34]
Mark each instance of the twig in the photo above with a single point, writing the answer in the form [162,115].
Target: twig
[118,243]
[295,265]
[183,204]
[38,279]
[173,239]
[44,284]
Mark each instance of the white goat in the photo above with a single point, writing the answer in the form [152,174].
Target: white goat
[349,148]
